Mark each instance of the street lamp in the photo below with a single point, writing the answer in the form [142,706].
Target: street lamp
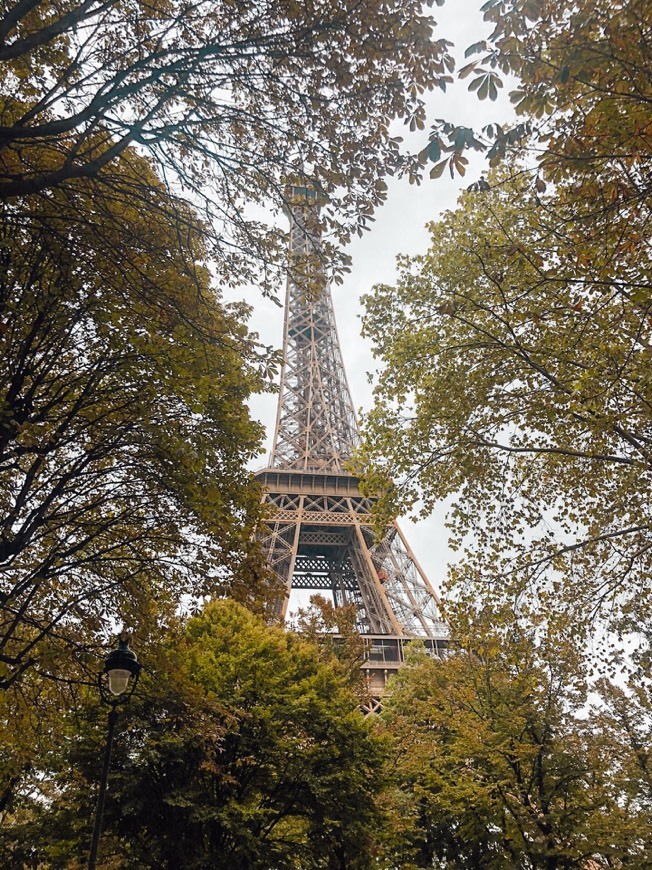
[117,683]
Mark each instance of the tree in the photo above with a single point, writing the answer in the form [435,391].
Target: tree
[229,100]
[334,631]
[246,750]
[517,383]
[124,431]
[494,765]
[582,91]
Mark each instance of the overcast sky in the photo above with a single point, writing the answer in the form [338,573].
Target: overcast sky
[399,229]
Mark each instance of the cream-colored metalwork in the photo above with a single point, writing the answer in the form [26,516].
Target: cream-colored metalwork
[319,535]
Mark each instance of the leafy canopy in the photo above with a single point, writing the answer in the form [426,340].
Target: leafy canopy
[228,98]
[517,383]
[582,93]
[124,431]
[496,765]
[245,748]
[519,345]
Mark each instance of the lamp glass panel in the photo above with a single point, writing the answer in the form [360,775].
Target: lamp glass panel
[118,680]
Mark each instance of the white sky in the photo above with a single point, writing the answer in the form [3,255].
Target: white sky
[399,229]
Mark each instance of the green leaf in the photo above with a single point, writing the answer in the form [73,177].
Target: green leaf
[434,150]
[475,48]
[467,70]
[438,170]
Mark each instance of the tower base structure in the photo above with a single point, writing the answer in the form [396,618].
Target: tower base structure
[320,538]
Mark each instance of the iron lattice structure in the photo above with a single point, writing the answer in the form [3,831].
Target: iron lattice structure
[320,535]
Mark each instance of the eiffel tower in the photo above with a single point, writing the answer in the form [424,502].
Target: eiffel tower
[320,534]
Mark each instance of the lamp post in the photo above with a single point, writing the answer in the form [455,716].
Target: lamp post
[117,683]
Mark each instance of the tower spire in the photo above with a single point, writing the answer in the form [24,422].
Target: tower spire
[316,427]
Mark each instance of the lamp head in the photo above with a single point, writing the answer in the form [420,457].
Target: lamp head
[120,666]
